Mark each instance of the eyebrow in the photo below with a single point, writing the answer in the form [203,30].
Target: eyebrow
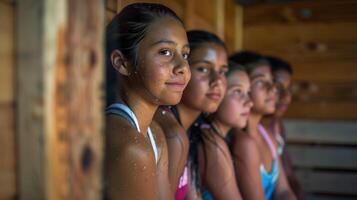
[235,85]
[257,76]
[201,61]
[168,42]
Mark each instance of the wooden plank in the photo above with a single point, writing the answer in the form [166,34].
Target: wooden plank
[8,159]
[343,183]
[176,6]
[81,78]
[308,91]
[323,110]
[60,69]
[325,71]
[233,28]
[206,11]
[302,12]
[327,197]
[30,120]
[321,132]
[305,42]
[7,52]
[323,157]
[111,5]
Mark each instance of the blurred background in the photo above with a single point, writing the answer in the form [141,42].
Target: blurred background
[51,63]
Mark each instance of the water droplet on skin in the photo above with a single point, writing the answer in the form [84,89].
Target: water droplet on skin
[163,112]
[144,168]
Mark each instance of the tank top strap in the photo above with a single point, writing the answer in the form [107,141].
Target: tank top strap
[125,112]
[268,140]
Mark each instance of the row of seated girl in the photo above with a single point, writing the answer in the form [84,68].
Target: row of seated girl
[184,120]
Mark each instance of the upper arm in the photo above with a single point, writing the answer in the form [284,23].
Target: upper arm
[177,145]
[247,163]
[130,164]
[219,174]
[165,191]
[283,190]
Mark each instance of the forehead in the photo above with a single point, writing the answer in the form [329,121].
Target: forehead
[238,77]
[262,71]
[210,52]
[165,28]
[282,75]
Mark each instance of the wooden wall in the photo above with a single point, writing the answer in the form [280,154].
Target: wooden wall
[222,17]
[319,38]
[7,100]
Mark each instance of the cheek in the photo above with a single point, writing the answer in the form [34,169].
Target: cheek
[257,97]
[196,88]
[229,110]
[156,75]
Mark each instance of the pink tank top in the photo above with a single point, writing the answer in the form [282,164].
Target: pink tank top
[182,188]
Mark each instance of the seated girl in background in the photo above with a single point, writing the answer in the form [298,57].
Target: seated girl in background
[282,72]
[258,169]
[147,57]
[215,165]
[204,92]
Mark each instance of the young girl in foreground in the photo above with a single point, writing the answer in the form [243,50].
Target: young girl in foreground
[258,169]
[208,63]
[213,157]
[147,53]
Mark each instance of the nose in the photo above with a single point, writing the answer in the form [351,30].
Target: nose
[216,78]
[181,66]
[248,101]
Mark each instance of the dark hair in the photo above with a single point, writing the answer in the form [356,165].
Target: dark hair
[234,67]
[249,60]
[125,32]
[278,64]
[197,38]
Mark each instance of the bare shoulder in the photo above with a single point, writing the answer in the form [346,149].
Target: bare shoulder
[130,162]
[244,146]
[124,141]
[168,123]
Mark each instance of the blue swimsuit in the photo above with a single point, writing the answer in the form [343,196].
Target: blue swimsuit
[270,179]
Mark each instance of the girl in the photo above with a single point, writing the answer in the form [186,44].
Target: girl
[214,159]
[147,53]
[208,63]
[282,72]
[259,172]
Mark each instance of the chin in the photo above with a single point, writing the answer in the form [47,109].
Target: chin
[171,100]
[210,108]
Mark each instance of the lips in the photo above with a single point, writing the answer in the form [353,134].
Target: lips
[180,85]
[216,96]
[245,114]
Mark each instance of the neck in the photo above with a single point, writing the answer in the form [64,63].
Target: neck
[142,108]
[222,127]
[253,122]
[187,115]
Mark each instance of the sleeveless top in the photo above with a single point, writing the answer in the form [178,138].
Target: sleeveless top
[124,111]
[182,188]
[270,179]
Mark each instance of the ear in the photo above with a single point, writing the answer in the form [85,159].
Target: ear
[120,63]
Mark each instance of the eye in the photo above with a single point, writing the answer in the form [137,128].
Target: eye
[223,72]
[202,69]
[185,56]
[238,91]
[166,52]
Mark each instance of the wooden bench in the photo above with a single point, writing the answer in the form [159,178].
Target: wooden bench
[324,154]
